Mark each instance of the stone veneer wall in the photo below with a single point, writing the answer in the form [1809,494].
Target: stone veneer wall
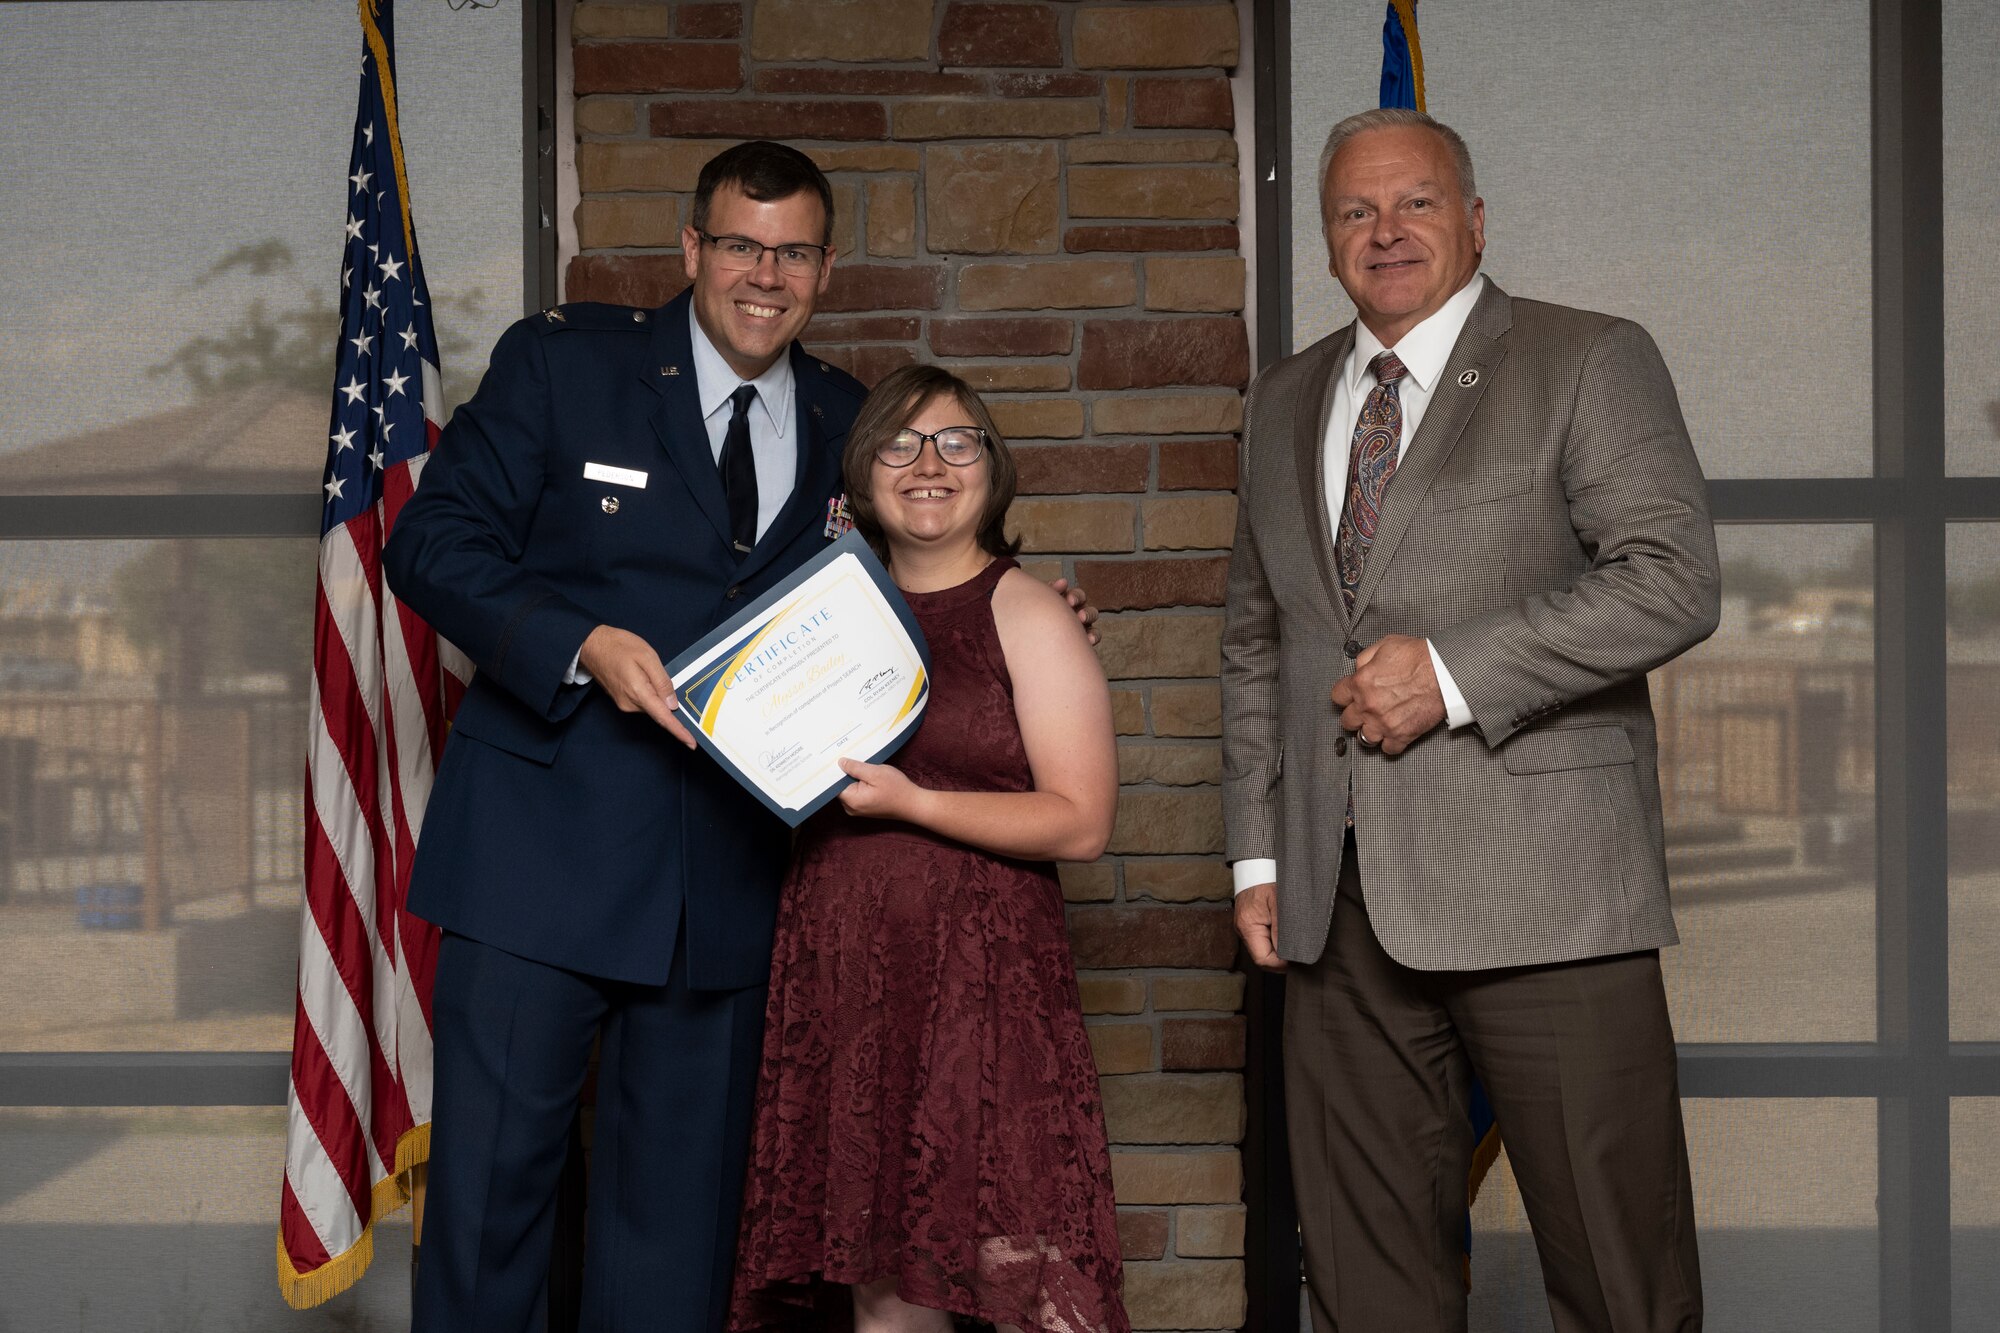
[1042,196]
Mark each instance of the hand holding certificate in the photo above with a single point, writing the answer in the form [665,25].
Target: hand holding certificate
[828,665]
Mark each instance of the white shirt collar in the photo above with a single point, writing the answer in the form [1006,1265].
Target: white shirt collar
[1424,349]
[714,381]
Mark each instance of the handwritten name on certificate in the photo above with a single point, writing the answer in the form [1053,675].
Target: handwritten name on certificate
[828,665]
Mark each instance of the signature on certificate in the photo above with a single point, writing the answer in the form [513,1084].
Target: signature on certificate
[876,685]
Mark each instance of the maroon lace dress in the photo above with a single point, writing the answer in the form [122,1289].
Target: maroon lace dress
[927,1106]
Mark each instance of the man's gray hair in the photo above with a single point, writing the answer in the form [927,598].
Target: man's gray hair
[1391,117]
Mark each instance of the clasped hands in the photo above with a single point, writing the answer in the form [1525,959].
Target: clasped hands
[1391,700]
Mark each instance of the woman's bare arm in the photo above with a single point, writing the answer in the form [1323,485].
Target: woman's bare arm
[1064,710]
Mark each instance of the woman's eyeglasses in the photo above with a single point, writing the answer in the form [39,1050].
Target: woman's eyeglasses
[959,446]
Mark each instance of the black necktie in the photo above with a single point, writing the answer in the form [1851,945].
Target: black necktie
[739,472]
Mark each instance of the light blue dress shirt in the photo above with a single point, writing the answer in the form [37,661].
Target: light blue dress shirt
[773,420]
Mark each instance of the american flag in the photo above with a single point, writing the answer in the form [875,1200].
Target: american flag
[384,687]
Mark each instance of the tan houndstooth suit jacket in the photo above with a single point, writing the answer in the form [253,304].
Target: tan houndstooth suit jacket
[1548,531]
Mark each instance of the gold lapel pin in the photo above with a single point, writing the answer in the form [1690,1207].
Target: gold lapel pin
[554,314]
[609,504]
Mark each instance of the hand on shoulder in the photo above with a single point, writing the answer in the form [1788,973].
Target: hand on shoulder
[1024,604]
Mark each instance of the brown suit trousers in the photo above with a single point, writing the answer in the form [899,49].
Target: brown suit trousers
[1578,1061]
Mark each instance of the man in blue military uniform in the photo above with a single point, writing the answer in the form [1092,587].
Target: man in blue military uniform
[622,481]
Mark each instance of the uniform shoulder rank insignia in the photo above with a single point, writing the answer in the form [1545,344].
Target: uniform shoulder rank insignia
[553,314]
[838,520]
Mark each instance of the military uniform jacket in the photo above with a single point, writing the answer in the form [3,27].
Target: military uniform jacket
[559,828]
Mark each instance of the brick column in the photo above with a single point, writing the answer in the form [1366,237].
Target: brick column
[1043,197]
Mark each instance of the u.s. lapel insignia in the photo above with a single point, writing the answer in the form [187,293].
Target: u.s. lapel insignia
[838,520]
[670,371]
[1468,379]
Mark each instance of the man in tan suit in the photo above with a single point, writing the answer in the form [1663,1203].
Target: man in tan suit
[1469,526]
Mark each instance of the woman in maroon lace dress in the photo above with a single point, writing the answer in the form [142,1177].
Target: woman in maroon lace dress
[928,1138]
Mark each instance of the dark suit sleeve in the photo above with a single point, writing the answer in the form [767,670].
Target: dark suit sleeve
[457,553]
[1639,505]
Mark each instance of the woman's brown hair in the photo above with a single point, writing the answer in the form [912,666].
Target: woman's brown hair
[892,405]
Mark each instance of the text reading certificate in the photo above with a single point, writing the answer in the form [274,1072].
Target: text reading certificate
[828,665]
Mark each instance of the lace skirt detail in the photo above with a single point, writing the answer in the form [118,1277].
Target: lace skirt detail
[927,1106]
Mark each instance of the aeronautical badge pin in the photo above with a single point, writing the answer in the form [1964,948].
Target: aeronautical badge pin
[838,520]
[1468,379]
[553,314]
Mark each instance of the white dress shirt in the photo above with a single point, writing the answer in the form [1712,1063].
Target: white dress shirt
[1423,352]
[773,443]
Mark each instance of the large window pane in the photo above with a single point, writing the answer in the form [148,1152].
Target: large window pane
[1975,1213]
[1767,779]
[136,1221]
[152,753]
[1784,1209]
[1972,272]
[1701,167]
[173,215]
[1972,755]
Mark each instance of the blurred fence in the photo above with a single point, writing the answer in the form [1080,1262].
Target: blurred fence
[135,806]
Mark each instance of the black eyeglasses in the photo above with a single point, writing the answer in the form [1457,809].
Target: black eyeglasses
[796,259]
[959,446]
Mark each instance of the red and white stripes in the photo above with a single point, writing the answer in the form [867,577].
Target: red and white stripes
[384,687]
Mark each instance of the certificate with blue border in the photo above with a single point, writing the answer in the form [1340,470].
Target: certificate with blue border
[828,665]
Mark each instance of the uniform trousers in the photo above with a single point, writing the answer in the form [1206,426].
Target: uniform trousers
[1578,1062]
[677,1071]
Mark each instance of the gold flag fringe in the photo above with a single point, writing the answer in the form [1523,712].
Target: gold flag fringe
[380,50]
[302,1291]
[1406,10]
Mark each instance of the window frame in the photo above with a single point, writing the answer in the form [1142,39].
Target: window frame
[252,1078]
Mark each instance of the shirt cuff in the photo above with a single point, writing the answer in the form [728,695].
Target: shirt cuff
[1254,870]
[1456,711]
[576,675]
